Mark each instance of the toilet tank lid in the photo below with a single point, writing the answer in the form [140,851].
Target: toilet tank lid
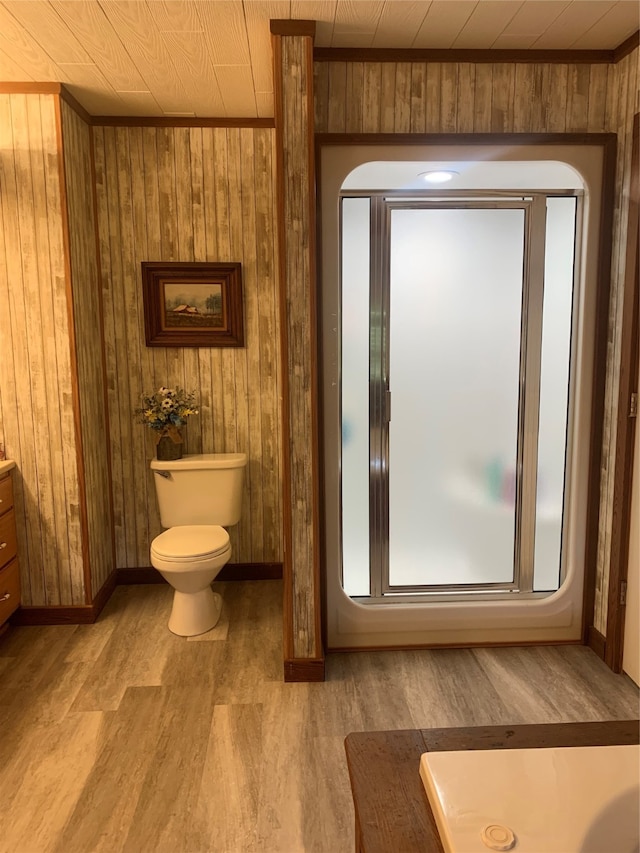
[201,460]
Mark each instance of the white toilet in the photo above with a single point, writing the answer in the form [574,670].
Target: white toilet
[198,497]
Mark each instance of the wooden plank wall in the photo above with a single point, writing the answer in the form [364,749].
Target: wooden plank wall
[404,97]
[36,401]
[449,97]
[191,194]
[87,311]
[623,101]
[293,81]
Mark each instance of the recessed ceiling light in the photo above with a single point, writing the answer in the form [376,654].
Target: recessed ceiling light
[438,176]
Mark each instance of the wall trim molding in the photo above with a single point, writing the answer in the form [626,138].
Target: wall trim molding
[230,572]
[28,88]
[421,646]
[607,140]
[625,424]
[627,46]
[304,669]
[68,98]
[596,642]
[57,614]
[598,385]
[477,56]
[105,592]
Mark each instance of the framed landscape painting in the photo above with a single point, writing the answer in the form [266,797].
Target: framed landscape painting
[192,304]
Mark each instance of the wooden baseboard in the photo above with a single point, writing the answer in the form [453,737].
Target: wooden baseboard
[417,647]
[104,593]
[140,575]
[230,572]
[86,614]
[304,669]
[251,572]
[596,641]
[80,614]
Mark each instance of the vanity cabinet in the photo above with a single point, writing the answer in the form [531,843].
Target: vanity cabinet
[9,575]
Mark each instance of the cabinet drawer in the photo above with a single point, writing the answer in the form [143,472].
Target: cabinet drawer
[7,537]
[9,591]
[6,494]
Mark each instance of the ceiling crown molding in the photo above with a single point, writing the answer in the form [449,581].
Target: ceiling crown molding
[31,88]
[627,47]
[365,54]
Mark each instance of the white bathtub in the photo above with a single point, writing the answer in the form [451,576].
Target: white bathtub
[549,800]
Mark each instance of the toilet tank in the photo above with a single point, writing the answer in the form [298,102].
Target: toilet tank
[203,488]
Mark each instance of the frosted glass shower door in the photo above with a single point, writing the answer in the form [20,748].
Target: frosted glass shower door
[455,302]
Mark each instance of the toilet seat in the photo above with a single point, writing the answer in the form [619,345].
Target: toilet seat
[191,543]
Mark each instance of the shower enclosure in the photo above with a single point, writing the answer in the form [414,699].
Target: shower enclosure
[450,339]
[454,361]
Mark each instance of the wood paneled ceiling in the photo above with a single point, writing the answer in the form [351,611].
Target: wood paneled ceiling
[213,57]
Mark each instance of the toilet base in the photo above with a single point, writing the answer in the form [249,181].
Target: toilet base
[194,613]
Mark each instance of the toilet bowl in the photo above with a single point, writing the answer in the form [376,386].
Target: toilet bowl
[199,496]
[189,558]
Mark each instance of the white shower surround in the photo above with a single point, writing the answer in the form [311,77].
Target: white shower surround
[556,617]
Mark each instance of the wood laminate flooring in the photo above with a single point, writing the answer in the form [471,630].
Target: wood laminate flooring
[120,736]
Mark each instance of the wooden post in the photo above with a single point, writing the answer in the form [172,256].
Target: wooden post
[294,109]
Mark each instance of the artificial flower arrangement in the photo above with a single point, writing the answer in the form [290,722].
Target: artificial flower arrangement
[167,407]
[166,411]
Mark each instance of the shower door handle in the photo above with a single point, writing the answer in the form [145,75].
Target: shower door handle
[387,406]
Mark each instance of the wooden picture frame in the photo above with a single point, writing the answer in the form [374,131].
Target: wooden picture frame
[192,304]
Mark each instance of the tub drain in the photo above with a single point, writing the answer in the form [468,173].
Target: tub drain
[498,837]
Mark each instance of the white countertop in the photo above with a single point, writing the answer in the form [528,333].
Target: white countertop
[6,465]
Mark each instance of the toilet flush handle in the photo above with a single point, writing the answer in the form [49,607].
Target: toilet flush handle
[165,474]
